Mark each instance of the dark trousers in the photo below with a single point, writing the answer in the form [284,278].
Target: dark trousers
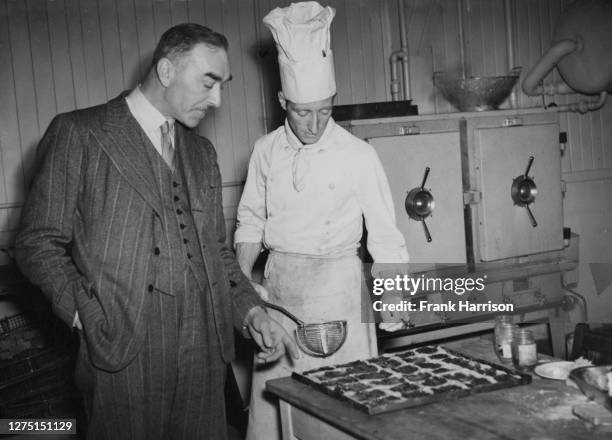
[174,388]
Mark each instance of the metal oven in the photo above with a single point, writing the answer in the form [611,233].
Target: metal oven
[494,207]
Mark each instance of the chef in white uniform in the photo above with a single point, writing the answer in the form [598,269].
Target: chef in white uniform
[310,184]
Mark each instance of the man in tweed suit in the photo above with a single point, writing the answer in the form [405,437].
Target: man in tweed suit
[123,231]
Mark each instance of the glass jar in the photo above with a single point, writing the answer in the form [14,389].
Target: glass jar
[524,350]
[503,335]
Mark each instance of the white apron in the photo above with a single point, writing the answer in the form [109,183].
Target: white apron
[315,290]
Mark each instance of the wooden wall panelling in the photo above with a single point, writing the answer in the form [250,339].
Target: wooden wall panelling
[373,37]
[451,40]
[63,80]
[342,58]
[384,78]
[605,116]
[349,22]
[208,127]
[195,12]
[419,19]
[381,46]
[143,10]
[445,48]
[215,14]
[486,32]
[110,42]
[41,63]
[92,48]
[431,26]
[575,146]
[77,53]
[586,141]
[267,67]
[6,236]
[110,48]
[249,89]
[11,170]
[235,135]
[161,17]
[25,97]
[527,47]
[127,30]
[179,11]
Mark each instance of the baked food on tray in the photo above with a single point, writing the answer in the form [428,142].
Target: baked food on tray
[410,378]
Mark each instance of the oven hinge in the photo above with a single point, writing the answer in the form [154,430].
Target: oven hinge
[472,197]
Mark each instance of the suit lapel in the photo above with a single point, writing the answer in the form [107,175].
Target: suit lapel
[192,161]
[122,140]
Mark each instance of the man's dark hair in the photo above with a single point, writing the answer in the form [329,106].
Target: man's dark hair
[183,37]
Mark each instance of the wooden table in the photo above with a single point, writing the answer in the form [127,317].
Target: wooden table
[541,410]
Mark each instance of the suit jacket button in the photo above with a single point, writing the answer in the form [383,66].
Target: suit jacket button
[182,226]
[189,256]
[150,288]
[157,251]
[176,198]
[179,212]
[175,184]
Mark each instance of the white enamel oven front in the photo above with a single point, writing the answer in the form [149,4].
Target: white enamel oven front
[477,166]
[515,168]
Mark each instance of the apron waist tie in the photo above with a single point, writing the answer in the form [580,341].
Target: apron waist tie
[335,256]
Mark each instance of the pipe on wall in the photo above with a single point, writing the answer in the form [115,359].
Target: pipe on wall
[461,38]
[400,56]
[531,83]
[532,86]
[584,105]
[509,24]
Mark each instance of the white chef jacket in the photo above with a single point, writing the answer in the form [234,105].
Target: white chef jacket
[342,178]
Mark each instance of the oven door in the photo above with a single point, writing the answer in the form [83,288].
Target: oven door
[505,228]
[405,159]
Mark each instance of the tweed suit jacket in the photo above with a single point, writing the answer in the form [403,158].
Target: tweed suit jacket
[91,225]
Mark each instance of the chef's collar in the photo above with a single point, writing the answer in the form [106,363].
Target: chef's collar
[321,144]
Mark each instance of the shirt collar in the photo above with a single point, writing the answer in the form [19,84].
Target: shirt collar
[149,117]
[321,144]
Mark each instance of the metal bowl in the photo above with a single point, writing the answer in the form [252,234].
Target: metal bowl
[476,93]
[593,382]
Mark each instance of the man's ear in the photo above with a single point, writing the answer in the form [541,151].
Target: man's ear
[165,71]
[282,100]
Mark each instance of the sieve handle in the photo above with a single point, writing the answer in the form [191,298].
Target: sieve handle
[284,312]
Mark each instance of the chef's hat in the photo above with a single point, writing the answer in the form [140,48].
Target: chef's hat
[301,33]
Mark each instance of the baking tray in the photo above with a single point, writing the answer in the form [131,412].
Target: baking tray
[505,378]
[593,383]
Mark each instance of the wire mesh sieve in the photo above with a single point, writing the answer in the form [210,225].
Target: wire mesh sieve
[316,339]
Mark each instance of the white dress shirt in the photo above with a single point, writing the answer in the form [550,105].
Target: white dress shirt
[148,117]
[341,179]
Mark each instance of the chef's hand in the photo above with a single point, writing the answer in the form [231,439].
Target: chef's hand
[271,337]
[392,321]
[261,290]
[390,270]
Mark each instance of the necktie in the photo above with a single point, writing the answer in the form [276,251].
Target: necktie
[167,149]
